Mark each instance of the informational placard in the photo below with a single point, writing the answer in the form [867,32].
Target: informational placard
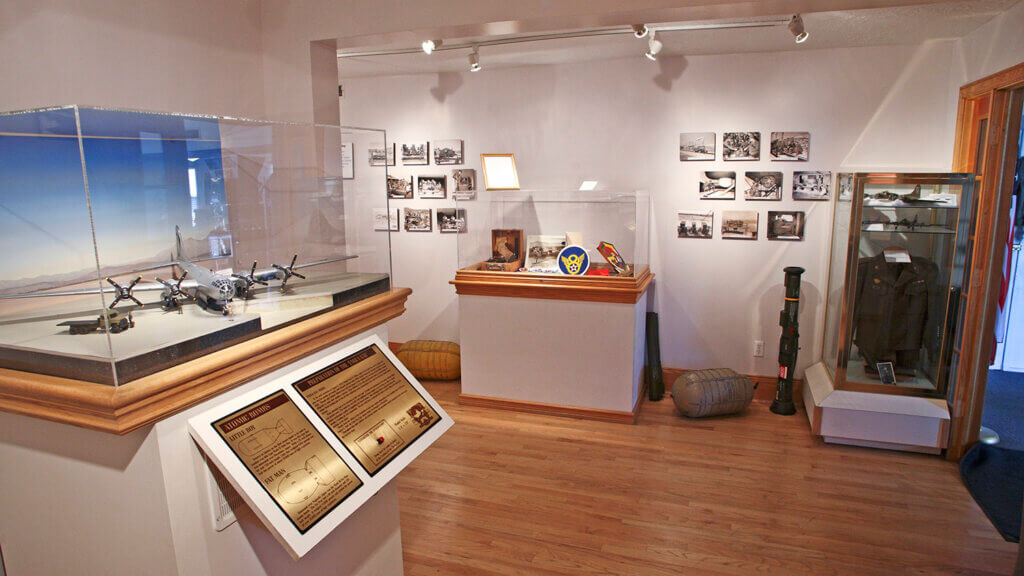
[348,169]
[289,458]
[307,445]
[372,408]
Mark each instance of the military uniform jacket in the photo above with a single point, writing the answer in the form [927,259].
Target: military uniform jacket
[892,304]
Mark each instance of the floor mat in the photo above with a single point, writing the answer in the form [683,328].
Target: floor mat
[1004,407]
[995,478]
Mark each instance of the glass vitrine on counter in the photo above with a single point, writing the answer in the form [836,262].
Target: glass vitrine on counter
[899,243]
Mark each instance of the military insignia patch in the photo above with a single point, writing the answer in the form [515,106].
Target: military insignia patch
[573,260]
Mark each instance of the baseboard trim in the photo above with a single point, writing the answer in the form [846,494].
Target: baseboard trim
[765,391]
[552,409]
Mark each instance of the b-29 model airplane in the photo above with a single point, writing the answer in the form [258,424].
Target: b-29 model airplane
[210,290]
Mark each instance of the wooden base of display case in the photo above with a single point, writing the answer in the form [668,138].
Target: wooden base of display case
[618,289]
[121,409]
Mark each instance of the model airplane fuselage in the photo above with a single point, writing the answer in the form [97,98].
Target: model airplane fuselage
[209,289]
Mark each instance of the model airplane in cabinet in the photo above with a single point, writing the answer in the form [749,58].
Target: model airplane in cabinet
[211,290]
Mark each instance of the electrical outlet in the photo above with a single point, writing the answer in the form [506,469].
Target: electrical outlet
[758,348]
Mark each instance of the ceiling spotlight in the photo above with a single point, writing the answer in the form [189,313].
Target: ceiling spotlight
[430,45]
[474,60]
[653,47]
[639,30]
[796,27]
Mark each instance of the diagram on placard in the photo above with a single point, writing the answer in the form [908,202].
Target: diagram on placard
[300,485]
[260,440]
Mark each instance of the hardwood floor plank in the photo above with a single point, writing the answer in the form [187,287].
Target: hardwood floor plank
[507,493]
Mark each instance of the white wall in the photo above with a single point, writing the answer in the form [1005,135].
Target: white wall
[995,46]
[619,122]
[183,56]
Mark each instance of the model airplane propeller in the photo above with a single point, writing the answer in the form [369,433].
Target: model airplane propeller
[124,292]
[170,296]
[287,272]
[250,279]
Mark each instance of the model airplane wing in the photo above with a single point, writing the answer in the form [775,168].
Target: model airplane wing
[283,273]
[112,289]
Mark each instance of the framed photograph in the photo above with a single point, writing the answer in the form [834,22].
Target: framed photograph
[348,168]
[763,186]
[400,187]
[451,220]
[500,171]
[718,185]
[432,186]
[417,154]
[741,146]
[790,146]
[696,146]
[739,224]
[381,155]
[464,181]
[447,151]
[542,252]
[845,184]
[696,224]
[812,185]
[417,219]
[385,219]
[506,249]
[785,225]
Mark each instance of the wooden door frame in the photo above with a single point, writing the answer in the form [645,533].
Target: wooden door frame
[990,229]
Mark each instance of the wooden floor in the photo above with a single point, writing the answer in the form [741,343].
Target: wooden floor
[510,493]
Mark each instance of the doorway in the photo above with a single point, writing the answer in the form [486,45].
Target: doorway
[1003,412]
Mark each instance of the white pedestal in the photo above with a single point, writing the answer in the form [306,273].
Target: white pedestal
[76,501]
[559,356]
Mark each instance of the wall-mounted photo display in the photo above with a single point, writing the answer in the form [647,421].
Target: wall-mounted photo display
[845,185]
[812,185]
[718,185]
[785,225]
[381,155]
[400,187]
[417,219]
[464,181]
[416,154]
[447,151]
[790,146]
[348,163]
[739,224]
[451,220]
[696,224]
[385,219]
[696,146]
[741,146]
[762,186]
[433,187]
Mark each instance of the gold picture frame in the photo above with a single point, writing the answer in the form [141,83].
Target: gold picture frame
[500,171]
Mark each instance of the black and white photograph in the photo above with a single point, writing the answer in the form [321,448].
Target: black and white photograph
[696,224]
[741,146]
[845,184]
[447,151]
[417,154]
[790,146]
[739,224]
[718,185]
[785,225]
[762,186]
[812,185]
[696,146]
[465,184]
[542,252]
[434,187]
[417,219]
[451,220]
[385,219]
[400,187]
[381,155]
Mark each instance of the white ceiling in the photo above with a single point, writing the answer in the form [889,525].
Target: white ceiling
[870,27]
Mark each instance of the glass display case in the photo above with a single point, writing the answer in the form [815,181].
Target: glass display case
[522,234]
[134,241]
[899,247]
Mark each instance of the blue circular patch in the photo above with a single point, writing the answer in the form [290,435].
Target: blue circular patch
[573,260]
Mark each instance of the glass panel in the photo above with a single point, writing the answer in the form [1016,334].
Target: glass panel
[207,231]
[547,221]
[837,270]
